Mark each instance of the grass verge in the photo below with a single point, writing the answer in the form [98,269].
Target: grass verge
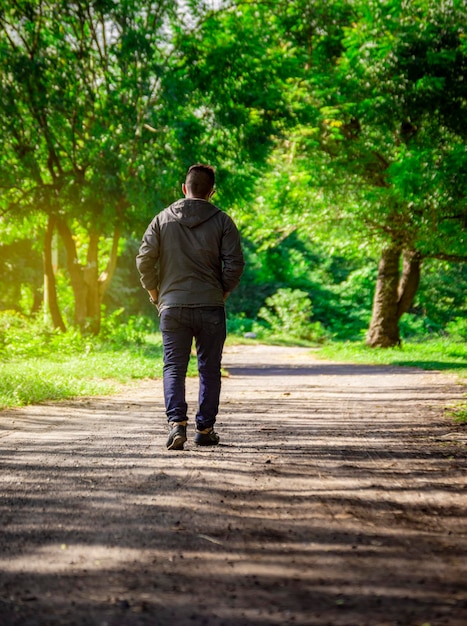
[30,380]
[429,355]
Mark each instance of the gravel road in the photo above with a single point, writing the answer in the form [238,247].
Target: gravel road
[337,497]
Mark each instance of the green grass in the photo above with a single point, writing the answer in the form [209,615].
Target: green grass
[30,380]
[269,340]
[459,413]
[37,380]
[429,355]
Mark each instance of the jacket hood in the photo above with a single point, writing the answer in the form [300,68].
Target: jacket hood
[192,212]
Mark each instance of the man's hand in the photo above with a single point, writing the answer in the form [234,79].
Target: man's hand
[226,295]
[153,296]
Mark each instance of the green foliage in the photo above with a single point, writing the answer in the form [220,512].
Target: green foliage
[109,113]
[239,324]
[402,120]
[442,294]
[417,326]
[61,374]
[119,330]
[39,364]
[377,155]
[21,337]
[125,289]
[334,127]
[457,329]
[459,414]
[288,312]
[42,379]
[339,280]
[20,271]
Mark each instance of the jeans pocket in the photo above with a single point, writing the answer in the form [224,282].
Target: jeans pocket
[213,320]
[169,320]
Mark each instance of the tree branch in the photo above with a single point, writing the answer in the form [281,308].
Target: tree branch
[455,258]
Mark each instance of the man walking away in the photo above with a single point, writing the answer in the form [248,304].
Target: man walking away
[189,261]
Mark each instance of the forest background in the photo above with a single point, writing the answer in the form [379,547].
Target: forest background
[337,130]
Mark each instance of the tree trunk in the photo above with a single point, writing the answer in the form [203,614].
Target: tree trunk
[384,326]
[410,281]
[91,279]
[38,301]
[50,297]
[106,276]
[88,287]
[75,270]
[96,285]
[394,295]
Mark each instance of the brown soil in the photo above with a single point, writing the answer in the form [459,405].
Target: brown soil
[338,497]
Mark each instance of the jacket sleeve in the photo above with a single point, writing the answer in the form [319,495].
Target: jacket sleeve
[147,259]
[233,262]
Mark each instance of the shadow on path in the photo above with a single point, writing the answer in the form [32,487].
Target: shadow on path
[334,499]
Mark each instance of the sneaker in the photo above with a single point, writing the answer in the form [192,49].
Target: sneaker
[209,438]
[177,436]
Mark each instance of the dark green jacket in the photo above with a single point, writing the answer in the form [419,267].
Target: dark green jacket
[191,254]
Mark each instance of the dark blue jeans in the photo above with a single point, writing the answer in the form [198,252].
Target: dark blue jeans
[179,325]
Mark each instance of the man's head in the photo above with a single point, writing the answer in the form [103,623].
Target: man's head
[199,182]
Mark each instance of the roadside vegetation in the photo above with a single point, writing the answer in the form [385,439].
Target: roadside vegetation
[38,363]
[443,354]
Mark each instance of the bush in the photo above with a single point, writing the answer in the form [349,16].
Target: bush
[239,324]
[457,329]
[21,337]
[415,326]
[288,312]
[123,331]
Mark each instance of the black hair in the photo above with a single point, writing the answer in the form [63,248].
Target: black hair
[200,180]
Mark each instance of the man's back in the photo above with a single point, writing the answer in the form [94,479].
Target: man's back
[197,249]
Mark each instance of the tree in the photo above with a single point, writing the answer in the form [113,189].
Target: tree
[381,95]
[363,101]
[407,63]
[79,80]
[230,74]
[112,103]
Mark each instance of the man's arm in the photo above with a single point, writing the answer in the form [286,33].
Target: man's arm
[232,257]
[147,261]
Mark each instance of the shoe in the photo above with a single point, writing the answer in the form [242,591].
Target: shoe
[209,438]
[177,436]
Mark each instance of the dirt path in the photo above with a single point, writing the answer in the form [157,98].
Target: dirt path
[338,497]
